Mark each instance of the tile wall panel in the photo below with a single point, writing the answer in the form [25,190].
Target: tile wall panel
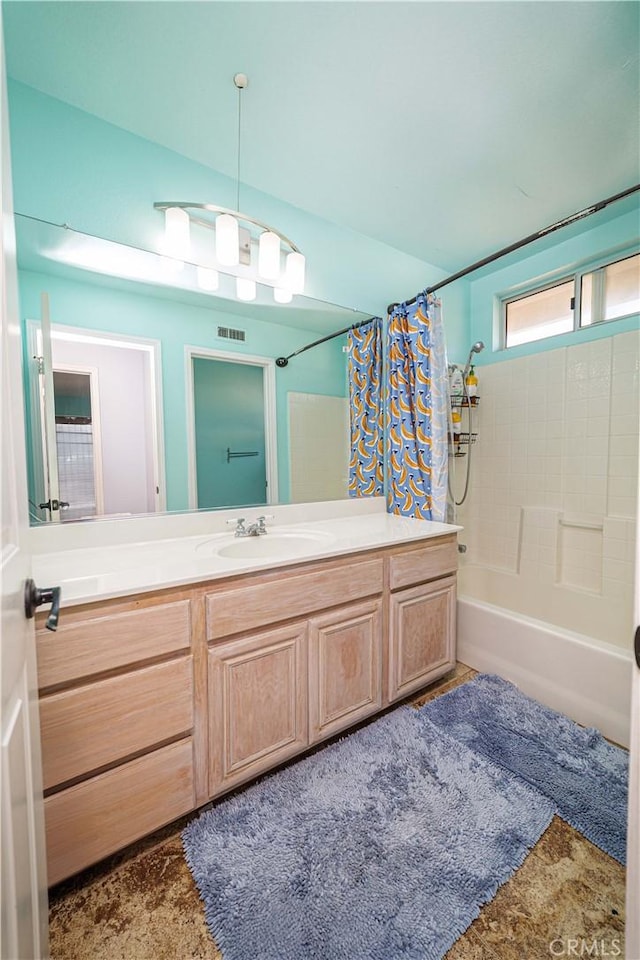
[554,473]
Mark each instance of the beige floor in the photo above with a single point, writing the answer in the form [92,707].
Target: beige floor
[143,904]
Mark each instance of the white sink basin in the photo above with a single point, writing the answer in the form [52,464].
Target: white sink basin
[282,544]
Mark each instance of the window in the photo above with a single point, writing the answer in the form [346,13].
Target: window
[609,292]
[542,314]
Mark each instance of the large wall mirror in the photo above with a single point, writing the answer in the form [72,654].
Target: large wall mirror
[145,394]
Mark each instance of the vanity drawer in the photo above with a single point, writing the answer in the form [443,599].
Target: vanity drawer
[416,566]
[92,646]
[93,819]
[100,723]
[294,595]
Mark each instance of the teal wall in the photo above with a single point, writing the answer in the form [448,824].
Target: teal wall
[536,266]
[174,324]
[71,167]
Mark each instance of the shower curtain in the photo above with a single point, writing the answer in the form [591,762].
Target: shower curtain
[366,473]
[418,411]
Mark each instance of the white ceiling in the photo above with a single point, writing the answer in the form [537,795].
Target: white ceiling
[444,129]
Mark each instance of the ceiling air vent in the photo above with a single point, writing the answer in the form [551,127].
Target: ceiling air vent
[230,333]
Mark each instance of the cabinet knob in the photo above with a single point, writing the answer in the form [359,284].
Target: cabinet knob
[35,597]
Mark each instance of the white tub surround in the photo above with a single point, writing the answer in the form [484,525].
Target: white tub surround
[583,677]
[120,567]
[552,507]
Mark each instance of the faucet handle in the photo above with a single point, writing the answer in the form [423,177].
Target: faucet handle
[239,522]
[261,522]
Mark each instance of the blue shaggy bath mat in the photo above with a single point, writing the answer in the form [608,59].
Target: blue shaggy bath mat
[584,776]
[383,846]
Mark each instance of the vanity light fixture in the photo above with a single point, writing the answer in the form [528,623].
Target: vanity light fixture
[246,247]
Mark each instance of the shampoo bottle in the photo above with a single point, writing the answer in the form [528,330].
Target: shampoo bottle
[471,383]
[456,385]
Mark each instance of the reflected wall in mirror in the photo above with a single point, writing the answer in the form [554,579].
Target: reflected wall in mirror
[144,395]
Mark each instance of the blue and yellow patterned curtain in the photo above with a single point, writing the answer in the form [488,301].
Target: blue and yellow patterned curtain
[366,474]
[418,398]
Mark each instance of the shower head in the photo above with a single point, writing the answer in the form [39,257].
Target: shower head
[476,348]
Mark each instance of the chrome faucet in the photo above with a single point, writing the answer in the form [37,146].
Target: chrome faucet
[255,529]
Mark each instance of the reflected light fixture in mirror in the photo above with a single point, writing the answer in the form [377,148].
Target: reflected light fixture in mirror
[88,276]
[251,250]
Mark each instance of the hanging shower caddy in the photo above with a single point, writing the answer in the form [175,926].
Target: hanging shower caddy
[459,440]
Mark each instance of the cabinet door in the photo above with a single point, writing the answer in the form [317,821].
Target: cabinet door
[258,704]
[422,635]
[345,682]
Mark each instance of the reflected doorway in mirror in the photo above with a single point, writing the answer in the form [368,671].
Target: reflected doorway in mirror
[126,432]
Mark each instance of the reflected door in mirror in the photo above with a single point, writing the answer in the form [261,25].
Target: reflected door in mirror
[229,414]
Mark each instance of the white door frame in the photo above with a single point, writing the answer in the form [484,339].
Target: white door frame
[270,427]
[92,373]
[632,927]
[154,351]
[23,919]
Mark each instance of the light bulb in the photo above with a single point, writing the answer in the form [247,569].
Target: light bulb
[282,295]
[294,272]
[245,288]
[269,255]
[227,240]
[208,278]
[177,237]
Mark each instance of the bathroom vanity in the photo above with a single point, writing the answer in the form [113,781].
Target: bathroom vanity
[154,701]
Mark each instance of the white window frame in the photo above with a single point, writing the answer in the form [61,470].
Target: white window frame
[555,280]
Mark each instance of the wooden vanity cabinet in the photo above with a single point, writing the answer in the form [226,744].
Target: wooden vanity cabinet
[151,705]
[117,726]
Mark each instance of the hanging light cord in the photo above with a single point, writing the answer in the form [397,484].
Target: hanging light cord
[239,147]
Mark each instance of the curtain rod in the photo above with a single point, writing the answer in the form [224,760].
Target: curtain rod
[283,361]
[522,243]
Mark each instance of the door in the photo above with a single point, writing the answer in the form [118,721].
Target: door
[230,443]
[41,426]
[258,704]
[23,921]
[421,635]
[345,660]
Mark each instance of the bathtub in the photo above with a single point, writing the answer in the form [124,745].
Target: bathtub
[582,676]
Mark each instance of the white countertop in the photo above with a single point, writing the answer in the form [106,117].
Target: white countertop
[100,573]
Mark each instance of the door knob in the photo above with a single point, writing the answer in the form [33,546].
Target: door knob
[53,505]
[34,597]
